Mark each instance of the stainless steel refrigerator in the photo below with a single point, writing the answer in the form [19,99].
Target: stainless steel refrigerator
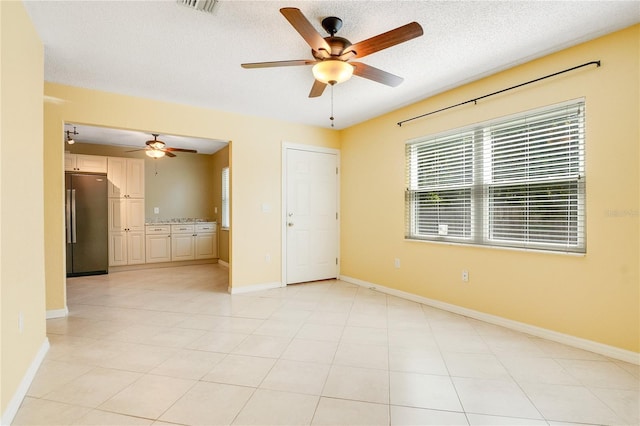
[86,219]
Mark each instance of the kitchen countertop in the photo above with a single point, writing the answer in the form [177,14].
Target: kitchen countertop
[188,221]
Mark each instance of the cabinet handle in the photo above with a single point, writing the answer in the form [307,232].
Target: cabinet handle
[67,215]
[73,216]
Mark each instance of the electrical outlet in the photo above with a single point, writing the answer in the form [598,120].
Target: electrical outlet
[465,276]
[156,210]
[396,263]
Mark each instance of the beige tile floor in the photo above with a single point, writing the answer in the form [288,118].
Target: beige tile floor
[171,346]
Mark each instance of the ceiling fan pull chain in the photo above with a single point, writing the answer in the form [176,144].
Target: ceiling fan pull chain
[331,118]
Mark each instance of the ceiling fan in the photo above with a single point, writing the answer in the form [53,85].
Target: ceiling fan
[332,54]
[157,149]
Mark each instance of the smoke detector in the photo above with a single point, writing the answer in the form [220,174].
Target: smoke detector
[201,5]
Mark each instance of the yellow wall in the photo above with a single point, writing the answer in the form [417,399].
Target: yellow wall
[22,269]
[595,296]
[220,160]
[181,187]
[255,171]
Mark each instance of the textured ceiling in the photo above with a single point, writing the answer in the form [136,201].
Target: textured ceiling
[163,50]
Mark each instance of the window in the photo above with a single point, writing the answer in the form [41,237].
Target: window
[225,198]
[513,182]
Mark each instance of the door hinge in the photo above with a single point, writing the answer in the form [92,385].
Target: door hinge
[336,215]
[336,170]
[336,260]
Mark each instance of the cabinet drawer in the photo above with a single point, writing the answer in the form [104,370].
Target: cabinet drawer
[158,229]
[204,228]
[182,229]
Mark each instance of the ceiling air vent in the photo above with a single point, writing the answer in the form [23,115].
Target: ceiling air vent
[201,5]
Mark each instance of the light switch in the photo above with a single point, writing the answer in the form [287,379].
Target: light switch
[156,210]
[266,208]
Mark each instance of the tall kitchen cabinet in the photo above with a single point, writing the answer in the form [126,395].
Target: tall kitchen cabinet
[126,211]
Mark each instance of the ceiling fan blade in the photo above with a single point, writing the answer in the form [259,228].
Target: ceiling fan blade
[305,29]
[279,64]
[384,40]
[375,74]
[180,150]
[169,154]
[317,89]
[134,150]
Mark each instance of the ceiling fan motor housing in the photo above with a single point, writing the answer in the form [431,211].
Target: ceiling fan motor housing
[337,44]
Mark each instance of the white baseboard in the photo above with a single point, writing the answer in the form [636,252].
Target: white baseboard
[14,404]
[57,313]
[577,342]
[254,287]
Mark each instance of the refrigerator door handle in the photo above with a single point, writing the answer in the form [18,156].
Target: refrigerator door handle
[67,215]
[73,216]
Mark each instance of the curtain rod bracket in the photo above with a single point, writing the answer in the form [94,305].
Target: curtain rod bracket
[475,100]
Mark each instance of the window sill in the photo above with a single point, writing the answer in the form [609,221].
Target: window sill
[529,250]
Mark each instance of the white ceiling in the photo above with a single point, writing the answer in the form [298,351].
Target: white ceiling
[165,51]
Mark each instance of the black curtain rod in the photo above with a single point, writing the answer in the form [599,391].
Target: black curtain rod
[475,100]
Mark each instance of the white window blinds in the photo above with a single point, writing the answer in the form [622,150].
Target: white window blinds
[516,182]
[225,198]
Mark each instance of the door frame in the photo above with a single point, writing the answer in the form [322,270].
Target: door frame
[286,146]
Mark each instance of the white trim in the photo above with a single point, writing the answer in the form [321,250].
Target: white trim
[57,313]
[283,239]
[566,339]
[254,287]
[14,404]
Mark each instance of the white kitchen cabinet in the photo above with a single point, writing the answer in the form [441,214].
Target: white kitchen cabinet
[126,211]
[85,163]
[158,243]
[182,242]
[197,241]
[206,243]
[126,231]
[126,177]
[126,248]
[126,214]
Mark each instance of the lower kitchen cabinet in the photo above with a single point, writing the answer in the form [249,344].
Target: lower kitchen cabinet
[206,243]
[182,245]
[126,232]
[190,242]
[126,248]
[158,243]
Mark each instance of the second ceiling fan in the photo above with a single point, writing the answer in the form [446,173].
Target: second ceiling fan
[332,54]
[156,148]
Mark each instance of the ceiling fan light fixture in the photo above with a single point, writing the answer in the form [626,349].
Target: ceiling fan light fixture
[157,145]
[154,153]
[332,71]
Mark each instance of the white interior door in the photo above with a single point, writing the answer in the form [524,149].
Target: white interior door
[311,215]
